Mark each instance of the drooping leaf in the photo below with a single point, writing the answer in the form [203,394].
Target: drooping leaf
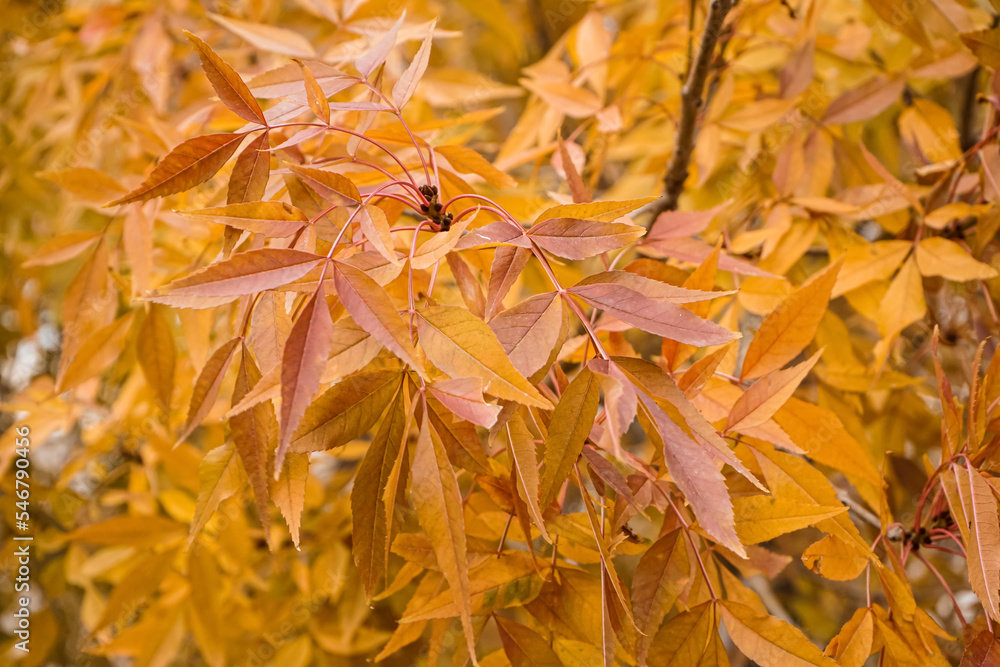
[568,430]
[289,492]
[220,477]
[524,647]
[345,411]
[762,518]
[767,395]
[248,182]
[660,576]
[769,641]
[158,355]
[522,450]
[206,388]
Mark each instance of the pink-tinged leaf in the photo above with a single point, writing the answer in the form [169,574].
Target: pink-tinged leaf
[494,233]
[464,397]
[766,396]
[271,218]
[979,512]
[255,433]
[680,224]
[620,400]
[529,331]
[564,164]
[693,470]
[524,454]
[657,317]
[573,238]
[315,95]
[188,164]
[227,83]
[331,186]
[245,273]
[696,251]
[864,101]
[367,63]
[407,83]
[372,308]
[270,325]
[302,362]
[438,503]
[375,228]
[248,182]
[137,240]
[286,81]
[462,345]
[653,289]
[508,262]
[206,388]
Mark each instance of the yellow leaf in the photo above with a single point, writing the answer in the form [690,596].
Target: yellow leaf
[568,430]
[601,211]
[853,644]
[769,641]
[834,559]
[462,345]
[766,396]
[903,303]
[868,262]
[467,161]
[938,256]
[762,518]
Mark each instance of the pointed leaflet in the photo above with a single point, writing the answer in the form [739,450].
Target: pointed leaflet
[373,310]
[769,641]
[903,303]
[508,262]
[375,227]
[658,317]
[62,248]
[524,647]
[367,506]
[601,211]
[660,576]
[870,261]
[462,345]
[188,164]
[329,185]
[438,246]
[529,331]
[270,218]
[522,450]
[219,477]
[407,83]
[656,290]
[367,63]
[97,353]
[693,470]
[315,95]
[207,386]
[568,430]
[157,355]
[983,545]
[790,327]
[302,362]
[684,638]
[464,397]
[289,491]
[345,411]
[762,518]
[766,396]
[833,558]
[255,433]
[573,238]
[438,503]
[245,273]
[227,83]
[248,182]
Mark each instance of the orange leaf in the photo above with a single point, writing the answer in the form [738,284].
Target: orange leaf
[207,386]
[574,238]
[188,164]
[787,330]
[766,396]
[227,83]
[769,641]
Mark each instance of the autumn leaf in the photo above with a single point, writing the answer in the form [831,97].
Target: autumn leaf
[189,164]
[568,430]
[768,640]
[271,218]
[787,330]
[767,395]
[227,83]
[244,273]
[574,238]
[462,345]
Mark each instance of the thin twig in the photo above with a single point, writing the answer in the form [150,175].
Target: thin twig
[691,104]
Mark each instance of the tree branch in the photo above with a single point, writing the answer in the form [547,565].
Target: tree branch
[691,104]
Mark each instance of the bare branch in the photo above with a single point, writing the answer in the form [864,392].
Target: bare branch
[691,104]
